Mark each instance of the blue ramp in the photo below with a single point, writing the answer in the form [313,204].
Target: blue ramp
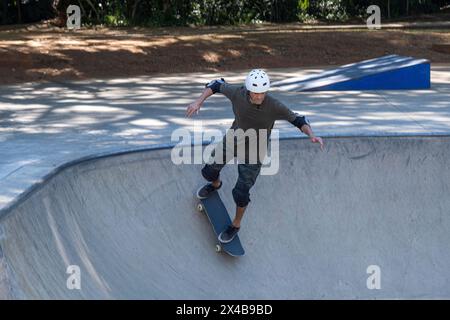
[390,72]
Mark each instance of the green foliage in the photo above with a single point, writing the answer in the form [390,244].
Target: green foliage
[207,12]
[331,10]
[303,5]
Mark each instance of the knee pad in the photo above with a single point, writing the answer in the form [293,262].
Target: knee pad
[241,196]
[209,173]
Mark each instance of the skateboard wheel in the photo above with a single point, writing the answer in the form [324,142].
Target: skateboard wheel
[218,248]
[201,208]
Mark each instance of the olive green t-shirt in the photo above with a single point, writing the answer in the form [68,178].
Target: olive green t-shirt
[248,115]
[252,116]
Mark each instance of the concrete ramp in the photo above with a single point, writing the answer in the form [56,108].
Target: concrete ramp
[391,72]
[311,231]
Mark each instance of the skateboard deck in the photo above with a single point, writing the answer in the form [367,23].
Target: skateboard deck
[217,214]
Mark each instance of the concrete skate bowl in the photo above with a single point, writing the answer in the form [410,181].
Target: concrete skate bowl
[311,231]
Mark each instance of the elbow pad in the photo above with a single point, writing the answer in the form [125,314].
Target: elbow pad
[300,121]
[215,85]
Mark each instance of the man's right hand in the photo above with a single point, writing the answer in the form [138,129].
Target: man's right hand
[193,108]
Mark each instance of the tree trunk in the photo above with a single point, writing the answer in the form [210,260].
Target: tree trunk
[83,11]
[133,13]
[389,9]
[166,10]
[4,11]
[275,16]
[19,13]
[97,15]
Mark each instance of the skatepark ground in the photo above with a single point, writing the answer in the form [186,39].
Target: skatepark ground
[86,179]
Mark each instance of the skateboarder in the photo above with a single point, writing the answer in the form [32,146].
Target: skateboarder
[254,108]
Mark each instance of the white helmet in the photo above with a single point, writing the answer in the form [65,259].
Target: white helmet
[257,81]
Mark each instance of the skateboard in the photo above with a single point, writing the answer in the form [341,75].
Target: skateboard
[217,214]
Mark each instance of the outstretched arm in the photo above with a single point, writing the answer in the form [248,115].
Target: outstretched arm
[303,124]
[210,89]
[284,113]
[195,106]
[306,129]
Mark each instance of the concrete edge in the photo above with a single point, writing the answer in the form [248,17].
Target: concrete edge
[96,156]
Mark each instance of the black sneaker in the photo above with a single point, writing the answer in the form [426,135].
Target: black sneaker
[205,191]
[228,234]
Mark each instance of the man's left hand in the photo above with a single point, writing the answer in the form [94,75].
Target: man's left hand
[318,140]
